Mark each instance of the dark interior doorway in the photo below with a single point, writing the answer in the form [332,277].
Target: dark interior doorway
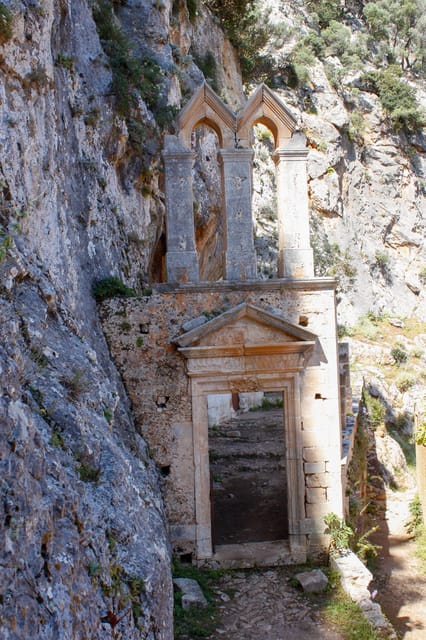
[247,468]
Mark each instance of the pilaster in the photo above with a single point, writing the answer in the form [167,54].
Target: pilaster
[181,257]
[240,260]
[295,256]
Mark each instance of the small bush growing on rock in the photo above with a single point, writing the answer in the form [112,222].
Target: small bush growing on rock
[399,355]
[340,534]
[376,410]
[6,20]
[405,381]
[88,473]
[110,288]
[398,98]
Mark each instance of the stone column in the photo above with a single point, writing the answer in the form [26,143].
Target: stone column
[181,256]
[240,260]
[295,257]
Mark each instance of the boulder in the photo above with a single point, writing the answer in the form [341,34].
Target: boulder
[312,581]
[192,595]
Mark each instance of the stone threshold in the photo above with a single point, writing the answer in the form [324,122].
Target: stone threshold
[247,555]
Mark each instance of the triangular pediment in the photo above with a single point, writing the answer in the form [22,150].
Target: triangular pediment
[206,107]
[247,328]
[265,107]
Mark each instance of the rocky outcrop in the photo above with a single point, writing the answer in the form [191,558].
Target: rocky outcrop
[85,546]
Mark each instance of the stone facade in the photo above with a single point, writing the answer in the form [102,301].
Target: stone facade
[168,382]
[191,340]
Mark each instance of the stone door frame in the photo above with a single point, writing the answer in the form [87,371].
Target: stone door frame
[287,382]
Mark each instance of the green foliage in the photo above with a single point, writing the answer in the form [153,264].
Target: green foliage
[64,61]
[329,259]
[76,384]
[56,439]
[366,550]
[415,522]
[420,434]
[357,127]
[249,31]
[340,534]
[337,38]
[110,288]
[422,275]
[139,341]
[382,259]
[208,66]
[398,98]
[401,26]
[399,355]
[405,381]
[326,11]
[131,75]
[195,623]
[6,20]
[88,473]
[416,527]
[375,408]
[268,404]
[192,6]
[343,613]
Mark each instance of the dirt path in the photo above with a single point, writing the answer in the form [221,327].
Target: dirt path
[401,587]
[263,605]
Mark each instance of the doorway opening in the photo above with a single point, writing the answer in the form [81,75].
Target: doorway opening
[264,203]
[248,476]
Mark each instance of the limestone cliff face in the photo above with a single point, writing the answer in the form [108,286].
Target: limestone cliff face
[81,198]
[85,550]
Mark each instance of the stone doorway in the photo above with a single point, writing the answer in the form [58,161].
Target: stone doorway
[248,469]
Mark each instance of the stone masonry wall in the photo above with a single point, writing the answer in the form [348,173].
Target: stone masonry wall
[140,333]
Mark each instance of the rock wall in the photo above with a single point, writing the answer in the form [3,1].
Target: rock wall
[85,551]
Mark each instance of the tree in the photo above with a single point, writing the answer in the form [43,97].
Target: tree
[401,24]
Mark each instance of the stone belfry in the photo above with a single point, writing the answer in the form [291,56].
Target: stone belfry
[197,341]
[235,155]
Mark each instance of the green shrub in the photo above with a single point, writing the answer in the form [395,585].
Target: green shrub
[405,381]
[208,66]
[399,355]
[357,127]
[64,61]
[340,534]
[376,410]
[88,473]
[130,74]
[420,434]
[6,19]
[422,275]
[192,6]
[249,30]
[398,98]
[109,288]
[326,11]
[337,38]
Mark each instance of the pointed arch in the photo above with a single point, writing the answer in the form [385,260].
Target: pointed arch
[205,107]
[266,108]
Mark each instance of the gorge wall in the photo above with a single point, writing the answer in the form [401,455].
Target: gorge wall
[85,539]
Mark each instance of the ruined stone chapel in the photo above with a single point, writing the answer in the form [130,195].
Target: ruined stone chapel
[195,355]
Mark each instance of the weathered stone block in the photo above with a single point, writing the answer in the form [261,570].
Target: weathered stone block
[192,595]
[312,581]
[317,510]
[316,495]
[314,467]
[317,480]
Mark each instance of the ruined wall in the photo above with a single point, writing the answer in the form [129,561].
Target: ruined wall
[141,332]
